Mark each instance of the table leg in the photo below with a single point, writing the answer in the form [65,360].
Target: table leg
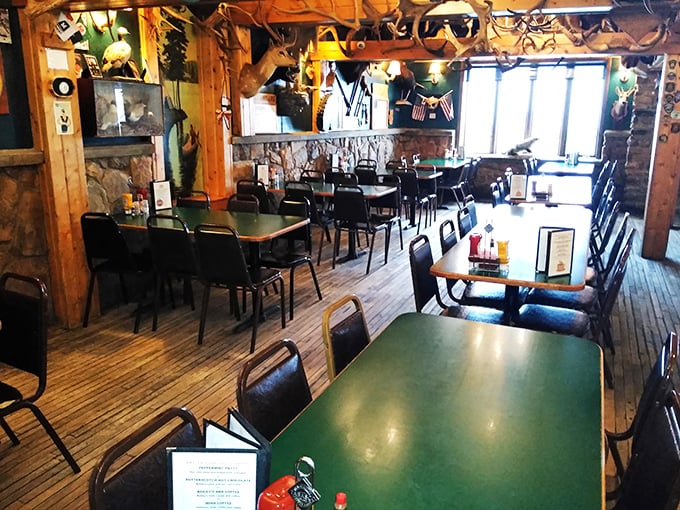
[352,253]
[511,303]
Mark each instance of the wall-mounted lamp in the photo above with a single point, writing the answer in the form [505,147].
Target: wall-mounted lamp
[435,71]
[394,69]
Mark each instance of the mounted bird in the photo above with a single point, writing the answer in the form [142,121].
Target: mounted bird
[116,59]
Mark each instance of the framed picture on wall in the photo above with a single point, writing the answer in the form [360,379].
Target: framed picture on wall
[91,66]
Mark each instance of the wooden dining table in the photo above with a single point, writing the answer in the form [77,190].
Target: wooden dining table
[519,224]
[582,168]
[326,189]
[441,413]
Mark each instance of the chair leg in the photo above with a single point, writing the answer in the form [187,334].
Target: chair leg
[314,278]
[318,259]
[370,254]
[204,313]
[336,242]
[156,292]
[388,236]
[257,299]
[292,291]
[8,430]
[88,303]
[55,437]
[401,235]
[282,299]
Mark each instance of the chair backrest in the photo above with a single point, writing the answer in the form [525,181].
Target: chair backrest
[447,240]
[346,338]
[243,202]
[349,206]
[392,200]
[257,188]
[495,194]
[367,162]
[394,164]
[23,335]
[189,199]
[615,249]
[312,176]
[365,175]
[303,191]
[652,479]
[278,392]
[606,202]
[172,249]
[425,285]
[409,183]
[344,179]
[657,386]
[216,244]
[105,242]
[296,207]
[464,219]
[141,484]
[608,224]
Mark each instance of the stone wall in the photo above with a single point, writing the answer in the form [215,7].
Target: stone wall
[23,243]
[108,178]
[297,153]
[636,169]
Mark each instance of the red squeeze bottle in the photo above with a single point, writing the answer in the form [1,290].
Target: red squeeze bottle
[340,501]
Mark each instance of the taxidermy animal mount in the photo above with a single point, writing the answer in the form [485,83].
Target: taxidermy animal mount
[253,76]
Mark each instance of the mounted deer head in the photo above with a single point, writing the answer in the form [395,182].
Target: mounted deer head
[253,76]
[620,107]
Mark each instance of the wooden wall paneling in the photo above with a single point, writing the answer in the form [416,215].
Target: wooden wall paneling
[211,80]
[664,174]
[62,176]
[240,119]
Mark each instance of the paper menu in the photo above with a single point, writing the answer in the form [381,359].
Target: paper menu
[555,250]
[518,187]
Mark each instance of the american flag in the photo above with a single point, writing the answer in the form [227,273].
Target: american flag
[418,111]
[446,104]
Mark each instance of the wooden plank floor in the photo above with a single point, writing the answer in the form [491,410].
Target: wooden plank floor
[104,380]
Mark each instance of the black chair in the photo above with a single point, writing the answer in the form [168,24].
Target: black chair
[655,392]
[598,273]
[447,184]
[345,338]
[194,198]
[272,388]
[283,253]
[606,174]
[257,188]
[365,175]
[496,196]
[303,191]
[243,202]
[351,216]
[344,179]
[652,480]
[368,162]
[428,190]
[216,244]
[426,287]
[388,208]
[173,255]
[312,176]
[466,220]
[474,293]
[395,164]
[107,251]
[142,482]
[23,346]
[411,196]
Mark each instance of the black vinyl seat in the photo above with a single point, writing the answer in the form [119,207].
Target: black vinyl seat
[272,388]
[173,255]
[344,179]
[107,251]
[23,346]
[243,202]
[346,337]
[426,287]
[217,243]
[366,175]
[351,215]
[142,482]
[283,252]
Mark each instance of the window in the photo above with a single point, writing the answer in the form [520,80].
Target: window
[560,104]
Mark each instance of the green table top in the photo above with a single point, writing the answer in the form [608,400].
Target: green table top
[566,190]
[250,227]
[444,163]
[443,413]
[562,168]
[520,224]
